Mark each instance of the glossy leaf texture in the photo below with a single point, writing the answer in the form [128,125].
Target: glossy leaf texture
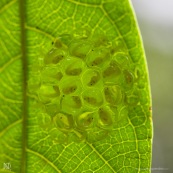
[28,143]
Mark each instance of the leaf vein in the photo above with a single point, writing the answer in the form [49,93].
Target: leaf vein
[40,31]
[2,68]
[92,147]
[43,158]
[84,4]
[10,126]
[114,24]
[6,6]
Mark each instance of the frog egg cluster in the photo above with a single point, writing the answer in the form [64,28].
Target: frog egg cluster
[82,83]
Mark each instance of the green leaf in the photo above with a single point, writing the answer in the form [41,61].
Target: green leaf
[33,141]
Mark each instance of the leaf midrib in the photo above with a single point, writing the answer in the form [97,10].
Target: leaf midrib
[24,86]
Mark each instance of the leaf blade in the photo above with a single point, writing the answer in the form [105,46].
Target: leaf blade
[121,153]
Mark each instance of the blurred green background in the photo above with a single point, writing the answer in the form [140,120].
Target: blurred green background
[155,19]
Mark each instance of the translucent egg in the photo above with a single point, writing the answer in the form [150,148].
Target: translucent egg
[91,78]
[85,120]
[73,66]
[71,104]
[54,56]
[105,119]
[71,85]
[112,73]
[47,92]
[51,75]
[113,94]
[98,57]
[79,48]
[63,122]
[92,97]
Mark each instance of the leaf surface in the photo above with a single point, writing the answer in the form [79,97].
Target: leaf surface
[27,29]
